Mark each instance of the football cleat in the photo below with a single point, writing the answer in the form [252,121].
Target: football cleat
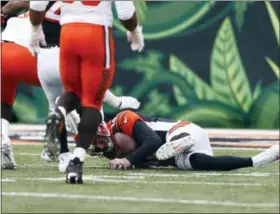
[7,157]
[64,160]
[44,156]
[74,172]
[266,157]
[175,146]
[55,124]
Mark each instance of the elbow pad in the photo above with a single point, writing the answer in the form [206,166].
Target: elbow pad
[125,9]
[38,5]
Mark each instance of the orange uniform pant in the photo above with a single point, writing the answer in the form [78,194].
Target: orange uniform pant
[17,65]
[87,63]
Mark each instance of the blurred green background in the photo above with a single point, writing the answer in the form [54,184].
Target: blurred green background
[213,63]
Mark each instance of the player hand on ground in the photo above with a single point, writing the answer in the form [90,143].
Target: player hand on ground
[136,38]
[118,163]
[129,102]
[37,38]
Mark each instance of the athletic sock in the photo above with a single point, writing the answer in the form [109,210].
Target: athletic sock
[201,161]
[79,153]
[5,127]
[63,141]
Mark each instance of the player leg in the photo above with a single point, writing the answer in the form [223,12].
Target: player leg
[8,92]
[97,73]
[17,65]
[49,76]
[200,156]
[69,100]
[205,162]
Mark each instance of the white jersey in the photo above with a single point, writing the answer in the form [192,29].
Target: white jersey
[17,31]
[100,14]
[92,12]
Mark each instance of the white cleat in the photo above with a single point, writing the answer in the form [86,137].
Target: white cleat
[45,157]
[64,160]
[173,148]
[7,155]
[266,157]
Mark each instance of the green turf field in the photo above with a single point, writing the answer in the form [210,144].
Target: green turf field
[38,187]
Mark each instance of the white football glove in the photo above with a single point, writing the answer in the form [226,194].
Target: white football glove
[72,121]
[136,38]
[129,102]
[37,37]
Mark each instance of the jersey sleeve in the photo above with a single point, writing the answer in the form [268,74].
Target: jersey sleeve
[125,9]
[39,5]
[125,121]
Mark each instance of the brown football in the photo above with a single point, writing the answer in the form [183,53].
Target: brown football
[125,143]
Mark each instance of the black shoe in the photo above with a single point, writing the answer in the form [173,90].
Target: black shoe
[55,123]
[74,172]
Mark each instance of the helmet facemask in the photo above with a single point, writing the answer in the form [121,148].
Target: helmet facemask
[102,142]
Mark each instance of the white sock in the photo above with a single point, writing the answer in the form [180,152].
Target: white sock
[62,110]
[79,153]
[5,128]
[255,159]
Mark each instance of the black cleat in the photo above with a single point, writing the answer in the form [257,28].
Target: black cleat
[74,172]
[55,124]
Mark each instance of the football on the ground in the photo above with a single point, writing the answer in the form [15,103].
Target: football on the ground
[125,143]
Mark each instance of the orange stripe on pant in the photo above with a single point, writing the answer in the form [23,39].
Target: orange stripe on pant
[84,62]
[17,65]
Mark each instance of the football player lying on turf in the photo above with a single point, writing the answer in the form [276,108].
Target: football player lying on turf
[18,65]
[131,139]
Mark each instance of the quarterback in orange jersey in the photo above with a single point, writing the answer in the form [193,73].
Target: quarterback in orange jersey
[86,64]
[162,142]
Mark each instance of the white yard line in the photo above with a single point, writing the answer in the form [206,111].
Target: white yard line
[233,148]
[38,154]
[215,148]
[150,174]
[54,165]
[132,179]
[204,174]
[28,154]
[71,145]
[8,180]
[138,199]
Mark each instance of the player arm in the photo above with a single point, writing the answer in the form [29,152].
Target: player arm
[111,99]
[121,102]
[37,12]
[14,7]
[146,139]
[127,14]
